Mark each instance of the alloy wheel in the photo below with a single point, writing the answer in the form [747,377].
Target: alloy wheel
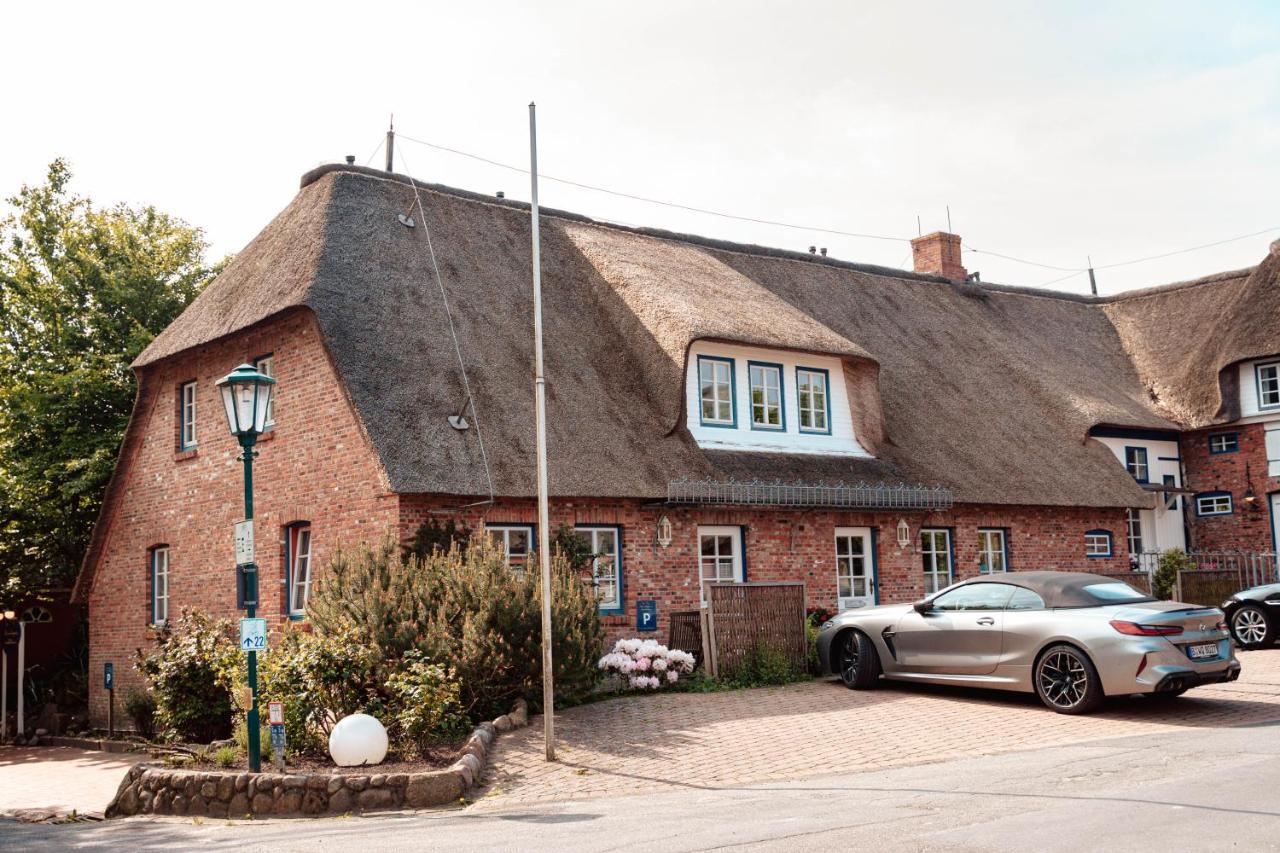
[1063,679]
[849,658]
[1249,626]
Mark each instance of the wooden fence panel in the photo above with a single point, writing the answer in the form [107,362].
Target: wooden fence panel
[686,633]
[1208,587]
[748,616]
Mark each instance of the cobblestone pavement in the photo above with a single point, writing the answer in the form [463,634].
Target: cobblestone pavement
[719,740]
[39,782]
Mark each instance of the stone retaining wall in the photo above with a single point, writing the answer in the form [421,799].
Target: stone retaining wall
[149,789]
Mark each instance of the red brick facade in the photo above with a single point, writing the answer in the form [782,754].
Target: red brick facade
[1248,527]
[319,467]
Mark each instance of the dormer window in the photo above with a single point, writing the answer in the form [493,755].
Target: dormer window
[715,376]
[766,395]
[1268,385]
[1135,459]
[811,389]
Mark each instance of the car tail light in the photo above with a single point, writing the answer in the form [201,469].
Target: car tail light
[1136,630]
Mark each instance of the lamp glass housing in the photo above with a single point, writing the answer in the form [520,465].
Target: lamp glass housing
[246,397]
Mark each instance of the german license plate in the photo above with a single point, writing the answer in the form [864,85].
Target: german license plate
[1203,650]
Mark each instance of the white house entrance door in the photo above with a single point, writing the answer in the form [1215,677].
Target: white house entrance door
[855,568]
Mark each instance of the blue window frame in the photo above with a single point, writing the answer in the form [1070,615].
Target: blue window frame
[717,392]
[1170,498]
[158,566]
[606,565]
[813,399]
[1097,543]
[518,541]
[1224,442]
[1267,378]
[768,409]
[1214,503]
[993,550]
[297,568]
[1135,459]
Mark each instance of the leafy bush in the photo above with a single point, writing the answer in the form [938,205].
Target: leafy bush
[226,756]
[427,703]
[191,672]
[646,664]
[140,707]
[1165,578]
[465,607]
[764,664]
[320,679]
[431,536]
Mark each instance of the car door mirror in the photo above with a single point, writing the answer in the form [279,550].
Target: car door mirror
[923,607]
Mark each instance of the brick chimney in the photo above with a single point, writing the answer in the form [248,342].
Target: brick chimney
[938,253]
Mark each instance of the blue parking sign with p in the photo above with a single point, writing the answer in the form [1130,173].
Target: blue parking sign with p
[647,615]
[108,676]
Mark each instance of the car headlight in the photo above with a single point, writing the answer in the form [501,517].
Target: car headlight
[1230,601]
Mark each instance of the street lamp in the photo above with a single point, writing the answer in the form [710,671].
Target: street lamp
[246,395]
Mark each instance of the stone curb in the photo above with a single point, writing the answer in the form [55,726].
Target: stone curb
[149,789]
[102,745]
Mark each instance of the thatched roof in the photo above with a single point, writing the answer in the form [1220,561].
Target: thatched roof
[988,390]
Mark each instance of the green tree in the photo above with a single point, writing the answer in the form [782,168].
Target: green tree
[82,291]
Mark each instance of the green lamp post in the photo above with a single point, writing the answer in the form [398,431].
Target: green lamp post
[246,395]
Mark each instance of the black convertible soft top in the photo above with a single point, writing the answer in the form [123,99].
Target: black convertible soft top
[1068,589]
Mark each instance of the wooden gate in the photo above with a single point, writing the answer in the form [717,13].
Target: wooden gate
[743,618]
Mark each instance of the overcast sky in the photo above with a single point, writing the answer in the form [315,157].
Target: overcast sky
[1053,135]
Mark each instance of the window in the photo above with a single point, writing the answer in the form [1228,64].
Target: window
[1213,503]
[298,579]
[1268,385]
[1116,592]
[811,389]
[1024,599]
[1097,543]
[1224,442]
[855,573]
[993,555]
[935,550]
[186,415]
[1170,497]
[266,365]
[606,566]
[1133,530]
[715,380]
[516,541]
[719,556]
[160,585]
[974,596]
[1135,459]
[766,395]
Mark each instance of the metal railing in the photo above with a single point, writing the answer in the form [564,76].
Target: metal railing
[1248,568]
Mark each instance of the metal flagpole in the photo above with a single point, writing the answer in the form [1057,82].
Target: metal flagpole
[540,402]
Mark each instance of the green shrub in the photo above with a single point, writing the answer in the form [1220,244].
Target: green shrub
[432,536]
[226,756]
[320,679]
[764,664]
[427,704]
[1165,578]
[140,707]
[191,672]
[466,608]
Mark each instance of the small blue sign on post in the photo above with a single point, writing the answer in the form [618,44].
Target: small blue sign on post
[108,676]
[647,615]
[277,738]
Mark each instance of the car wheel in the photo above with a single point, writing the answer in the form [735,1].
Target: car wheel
[1251,628]
[1067,682]
[859,662]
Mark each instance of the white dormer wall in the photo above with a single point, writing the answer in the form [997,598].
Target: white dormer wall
[841,441]
[1162,527]
[1249,403]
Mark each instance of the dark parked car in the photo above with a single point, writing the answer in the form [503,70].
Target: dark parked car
[1254,615]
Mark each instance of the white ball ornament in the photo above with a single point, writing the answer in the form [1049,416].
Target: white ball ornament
[358,739]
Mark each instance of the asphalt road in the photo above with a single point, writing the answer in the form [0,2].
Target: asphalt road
[1216,789]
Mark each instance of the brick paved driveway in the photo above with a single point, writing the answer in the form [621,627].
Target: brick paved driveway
[717,740]
[42,781]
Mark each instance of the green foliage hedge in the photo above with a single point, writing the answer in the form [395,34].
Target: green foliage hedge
[191,671]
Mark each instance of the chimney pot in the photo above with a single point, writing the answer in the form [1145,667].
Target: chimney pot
[823,251]
[938,254]
[813,250]
[351,159]
[501,194]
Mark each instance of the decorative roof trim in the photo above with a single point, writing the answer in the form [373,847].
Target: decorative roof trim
[899,496]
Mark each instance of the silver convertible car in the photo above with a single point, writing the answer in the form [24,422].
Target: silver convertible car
[1071,638]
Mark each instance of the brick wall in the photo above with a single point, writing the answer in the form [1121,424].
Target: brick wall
[316,466]
[1245,529]
[798,545]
